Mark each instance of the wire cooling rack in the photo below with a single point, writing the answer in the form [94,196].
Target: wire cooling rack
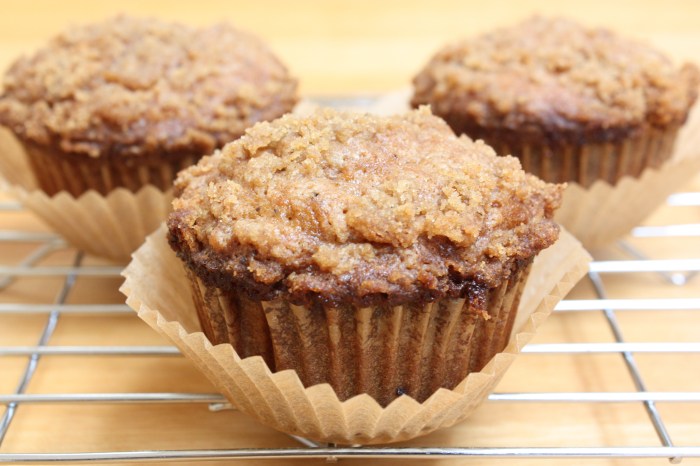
[30,254]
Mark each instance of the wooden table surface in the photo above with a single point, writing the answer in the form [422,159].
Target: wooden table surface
[343,49]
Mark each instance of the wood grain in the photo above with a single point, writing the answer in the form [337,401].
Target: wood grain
[353,48]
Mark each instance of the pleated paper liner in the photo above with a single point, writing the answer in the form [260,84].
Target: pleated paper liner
[76,174]
[380,350]
[591,163]
[157,287]
[603,212]
[14,166]
[111,226]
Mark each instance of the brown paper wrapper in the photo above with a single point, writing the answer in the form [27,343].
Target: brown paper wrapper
[14,166]
[603,212]
[156,286]
[587,164]
[57,172]
[110,226]
[383,351]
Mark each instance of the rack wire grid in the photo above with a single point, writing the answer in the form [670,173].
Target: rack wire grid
[54,405]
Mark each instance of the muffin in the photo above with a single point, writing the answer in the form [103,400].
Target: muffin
[573,104]
[380,255]
[129,102]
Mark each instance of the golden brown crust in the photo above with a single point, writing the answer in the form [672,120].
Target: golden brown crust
[356,208]
[555,80]
[135,87]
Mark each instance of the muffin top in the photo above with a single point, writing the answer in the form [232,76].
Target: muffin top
[552,77]
[344,207]
[136,87]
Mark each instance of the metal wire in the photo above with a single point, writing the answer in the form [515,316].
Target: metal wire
[667,231]
[649,304]
[65,308]
[29,261]
[364,452]
[631,364]
[54,271]
[677,271]
[572,305]
[673,277]
[48,330]
[26,237]
[212,398]
[636,266]
[90,351]
[543,348]
[684,199]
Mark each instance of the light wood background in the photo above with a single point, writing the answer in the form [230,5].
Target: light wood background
[338,49]
[358,46]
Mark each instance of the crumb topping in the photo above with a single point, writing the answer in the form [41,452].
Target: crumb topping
[130,86]
[346,206]
[555,75]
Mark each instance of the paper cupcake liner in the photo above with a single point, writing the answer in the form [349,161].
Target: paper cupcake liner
[157,287]
[383,351]
[591,163]
[14,167]
[111,226]
[603,212]
[57,172]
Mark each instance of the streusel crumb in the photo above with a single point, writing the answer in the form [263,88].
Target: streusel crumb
[134,87]
[353,207]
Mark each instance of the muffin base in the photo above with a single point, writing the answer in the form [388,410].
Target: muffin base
[582,163]
[157,287]
[384,351]
[57,171]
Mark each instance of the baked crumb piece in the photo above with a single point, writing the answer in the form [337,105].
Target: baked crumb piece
[353,207]
[133,87]
[553,78]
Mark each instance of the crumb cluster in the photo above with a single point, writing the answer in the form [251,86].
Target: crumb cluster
[135,87]
[555,77]
[354,207]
